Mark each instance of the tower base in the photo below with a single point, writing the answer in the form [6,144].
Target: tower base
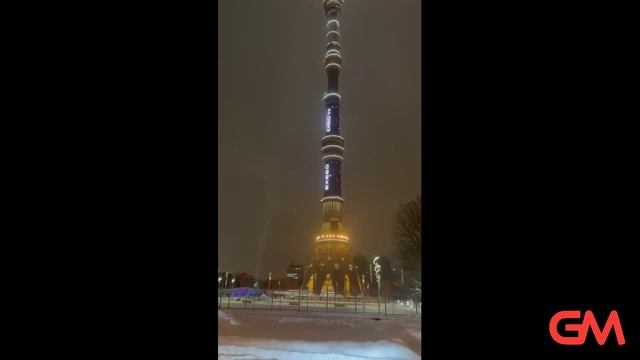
[332,270]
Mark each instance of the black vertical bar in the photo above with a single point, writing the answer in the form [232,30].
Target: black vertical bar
[385,306]
[327,306]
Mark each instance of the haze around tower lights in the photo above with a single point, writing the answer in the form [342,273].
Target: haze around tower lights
[271,80]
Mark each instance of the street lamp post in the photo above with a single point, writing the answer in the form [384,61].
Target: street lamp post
[377,269]
[269,286]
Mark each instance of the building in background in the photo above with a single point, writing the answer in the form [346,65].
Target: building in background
[295,271]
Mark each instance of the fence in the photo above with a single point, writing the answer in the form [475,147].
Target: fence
[303,300]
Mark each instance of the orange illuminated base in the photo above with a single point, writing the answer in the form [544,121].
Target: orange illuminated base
[333,264]
[328,285]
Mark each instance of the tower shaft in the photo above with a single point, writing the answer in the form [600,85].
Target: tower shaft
[332,265]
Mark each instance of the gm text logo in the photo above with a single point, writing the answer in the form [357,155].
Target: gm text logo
[582,329]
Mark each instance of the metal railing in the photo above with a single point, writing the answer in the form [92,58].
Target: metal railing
[303,300]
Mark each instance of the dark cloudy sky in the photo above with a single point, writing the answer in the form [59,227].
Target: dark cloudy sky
[270,121]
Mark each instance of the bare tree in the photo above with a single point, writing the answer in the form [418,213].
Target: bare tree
[407,237]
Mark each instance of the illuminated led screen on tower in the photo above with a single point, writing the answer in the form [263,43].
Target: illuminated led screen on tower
[332,184]
[332,125]
[326,177]
[329,120]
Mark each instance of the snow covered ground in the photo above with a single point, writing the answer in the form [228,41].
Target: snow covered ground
[261,335]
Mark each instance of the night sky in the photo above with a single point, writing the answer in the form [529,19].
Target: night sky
[271,81]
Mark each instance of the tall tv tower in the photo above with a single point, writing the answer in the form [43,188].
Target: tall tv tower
[332,266]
